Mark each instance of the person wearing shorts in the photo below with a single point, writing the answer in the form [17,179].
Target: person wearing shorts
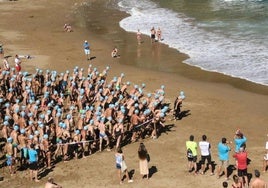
[191,146]
[204,146]
[87,49]
[33,162]
[121,165]
[223,153]
[241,158]
[153,32]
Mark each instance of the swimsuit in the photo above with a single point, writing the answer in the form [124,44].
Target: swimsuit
[24,152]
[9,160]
[103,135]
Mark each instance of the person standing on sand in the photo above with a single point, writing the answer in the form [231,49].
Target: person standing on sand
[33,163]
[121,165]
[87,49]
[6,65]
[143,162]
[223,153]
[139,37]
[9,155]
[205,146]
[191,150]
[177,106]
[17,63]
[258,182]
[239,140]
[241,159]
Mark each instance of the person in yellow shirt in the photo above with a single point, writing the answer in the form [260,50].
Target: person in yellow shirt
[191,148]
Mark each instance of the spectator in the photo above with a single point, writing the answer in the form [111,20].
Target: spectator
[223,153]
[191,147]
[205,146]
[241,159]
[121,165]
[143,156]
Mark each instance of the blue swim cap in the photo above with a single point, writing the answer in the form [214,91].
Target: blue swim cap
[22,131]
[16,127]
[45,136]
[9,139]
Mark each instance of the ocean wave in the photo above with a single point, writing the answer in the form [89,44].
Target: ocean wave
[232,52]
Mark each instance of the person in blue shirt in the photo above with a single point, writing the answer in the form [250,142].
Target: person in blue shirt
[87,49]
[239,140]
[223,153]
[33,163]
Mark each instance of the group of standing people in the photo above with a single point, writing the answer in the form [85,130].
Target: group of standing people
[122,167]
[17,64]
[240,178]
[49,115]
[224,148]
[155,35]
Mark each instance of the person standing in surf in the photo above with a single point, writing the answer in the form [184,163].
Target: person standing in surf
[153,32]
[159,34]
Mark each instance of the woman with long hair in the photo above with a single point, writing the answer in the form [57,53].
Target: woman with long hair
[143,156]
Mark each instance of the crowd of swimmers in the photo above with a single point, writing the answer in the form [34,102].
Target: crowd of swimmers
[73,114]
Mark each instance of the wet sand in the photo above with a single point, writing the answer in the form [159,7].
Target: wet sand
[215,105]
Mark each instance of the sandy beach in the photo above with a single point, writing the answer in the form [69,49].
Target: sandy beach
[215,104]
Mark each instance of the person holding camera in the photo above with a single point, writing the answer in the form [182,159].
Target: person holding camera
[223,153]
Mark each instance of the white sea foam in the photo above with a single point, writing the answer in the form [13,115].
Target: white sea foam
[241,55]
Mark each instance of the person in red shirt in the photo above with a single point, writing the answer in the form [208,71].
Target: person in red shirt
[241,158]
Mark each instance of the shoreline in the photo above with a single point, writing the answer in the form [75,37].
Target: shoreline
[216,104]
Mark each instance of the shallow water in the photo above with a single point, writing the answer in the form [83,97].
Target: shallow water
[225,36]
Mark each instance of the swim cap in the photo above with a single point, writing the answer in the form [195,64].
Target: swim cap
[9,139]
[45,136]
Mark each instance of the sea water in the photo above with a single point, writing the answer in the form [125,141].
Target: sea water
[225,36]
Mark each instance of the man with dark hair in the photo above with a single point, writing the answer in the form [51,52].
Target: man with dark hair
[224,184]
[33,162]
[241,159]
[204,146]
[257,182]
[191,147]
[223,153]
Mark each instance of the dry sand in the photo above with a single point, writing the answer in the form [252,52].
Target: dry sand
[216,105]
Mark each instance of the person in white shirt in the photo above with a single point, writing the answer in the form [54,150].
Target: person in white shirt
[205,146]
[17,63]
